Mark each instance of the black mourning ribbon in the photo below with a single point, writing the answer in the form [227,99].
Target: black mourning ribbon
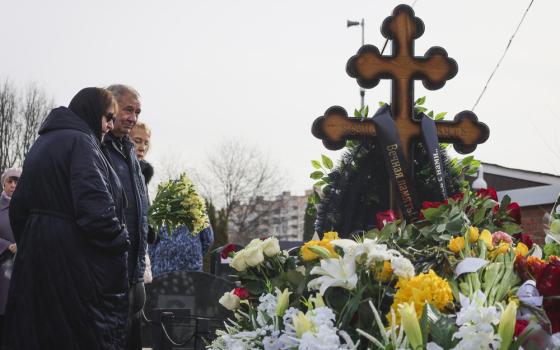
[398,168]
[431,145]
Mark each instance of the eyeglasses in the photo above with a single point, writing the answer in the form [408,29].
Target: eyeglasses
[110,117]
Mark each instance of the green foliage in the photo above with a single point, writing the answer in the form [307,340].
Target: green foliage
[551,248]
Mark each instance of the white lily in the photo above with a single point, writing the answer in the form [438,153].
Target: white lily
[335,272]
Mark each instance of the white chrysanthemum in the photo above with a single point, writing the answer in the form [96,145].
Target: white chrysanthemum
[324,339]
[267,307]
[322,316]
[402,267]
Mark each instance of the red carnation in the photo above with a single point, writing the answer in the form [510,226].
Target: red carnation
[384,217]
[230,248]
[487,192]
[525,239]
[514,211]
[242,293]
[520,326]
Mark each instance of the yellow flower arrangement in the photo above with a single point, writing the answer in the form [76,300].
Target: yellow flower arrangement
[456,244]
[473,234]
[422,289]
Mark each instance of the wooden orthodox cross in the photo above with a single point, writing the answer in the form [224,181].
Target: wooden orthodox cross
[368,66]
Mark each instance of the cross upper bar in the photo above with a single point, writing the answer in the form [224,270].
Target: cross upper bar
[335,128]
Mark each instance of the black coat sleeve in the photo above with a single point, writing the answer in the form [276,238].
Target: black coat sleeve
[94,206]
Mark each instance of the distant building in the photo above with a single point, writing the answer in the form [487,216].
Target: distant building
[535,193]
[282,217]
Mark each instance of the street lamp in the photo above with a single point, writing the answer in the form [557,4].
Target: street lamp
[361,24]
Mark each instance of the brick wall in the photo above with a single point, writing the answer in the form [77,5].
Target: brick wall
[532,221]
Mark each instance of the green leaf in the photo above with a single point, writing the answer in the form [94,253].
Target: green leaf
[420,101]
[505,202]
[420,109]
[316,164]
[424,325]
[357,114]
[381,103]
[431,114]
[511,228]
[316,175]
[440,116]
[366,111]
[442,328]
[327,162]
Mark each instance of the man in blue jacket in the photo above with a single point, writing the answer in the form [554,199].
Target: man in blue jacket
[123,158]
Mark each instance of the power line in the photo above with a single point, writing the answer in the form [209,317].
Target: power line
[503,55]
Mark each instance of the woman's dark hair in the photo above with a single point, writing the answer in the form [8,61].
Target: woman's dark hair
[90,104]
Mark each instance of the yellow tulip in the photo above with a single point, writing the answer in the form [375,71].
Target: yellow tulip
[456,244]
[473,234]
[502,248]
[521,249]
[486,236]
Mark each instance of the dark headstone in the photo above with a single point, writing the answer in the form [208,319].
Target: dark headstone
[186,304]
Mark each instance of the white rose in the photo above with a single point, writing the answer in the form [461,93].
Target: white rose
[230,301]
[256,242]
[270,246]
[238,262]
[253,255]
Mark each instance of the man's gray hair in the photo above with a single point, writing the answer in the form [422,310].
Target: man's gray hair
[120,90]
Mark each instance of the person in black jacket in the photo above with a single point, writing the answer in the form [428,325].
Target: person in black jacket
[69,283]
[122,153]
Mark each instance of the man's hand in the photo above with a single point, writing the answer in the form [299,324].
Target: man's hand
[13,248]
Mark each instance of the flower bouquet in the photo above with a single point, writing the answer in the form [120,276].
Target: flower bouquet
[460,278]
[178,203]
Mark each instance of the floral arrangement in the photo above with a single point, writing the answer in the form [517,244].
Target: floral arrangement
[463,277]
[178,203]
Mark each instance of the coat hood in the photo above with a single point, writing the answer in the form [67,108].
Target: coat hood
[63,118]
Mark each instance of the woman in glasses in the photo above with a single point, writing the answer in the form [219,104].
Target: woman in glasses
[69,284]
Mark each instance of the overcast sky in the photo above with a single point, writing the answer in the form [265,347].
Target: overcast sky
[261,71]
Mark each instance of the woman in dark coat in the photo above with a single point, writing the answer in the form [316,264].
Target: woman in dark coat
[69,284]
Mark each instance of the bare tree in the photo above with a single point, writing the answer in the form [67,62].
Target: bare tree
[242,178]
[9,126]
[20,119]
[34,109]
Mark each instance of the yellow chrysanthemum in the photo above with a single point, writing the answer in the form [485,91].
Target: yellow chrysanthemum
[330,235]
[422,289]
[456,244]
[473,234]
[385,273]
[308,255]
